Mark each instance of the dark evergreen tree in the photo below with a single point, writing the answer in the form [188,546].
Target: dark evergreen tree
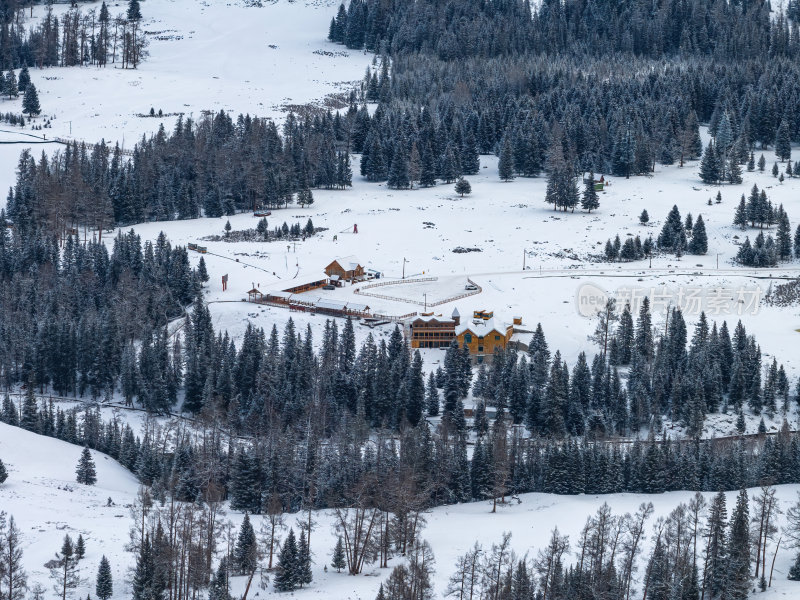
[288,576]
[245,553]
[85,470]
[590,199]
[30,101]
[338,558]
[699,241]
[104,586]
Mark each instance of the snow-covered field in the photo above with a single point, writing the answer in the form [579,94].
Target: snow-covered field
[47,504]
[230,56]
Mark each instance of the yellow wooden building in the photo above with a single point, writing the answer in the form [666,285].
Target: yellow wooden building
[483,337]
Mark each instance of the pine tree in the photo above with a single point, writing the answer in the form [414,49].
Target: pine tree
[3,472]
[287,577]
[740,217]
[783,235]
[24,79]
[104,588]
[783,142]
[80,547]
[202,272]
[85,470]
[709,165]
[797,242]
[506,164]
[219,588]
[463,187]
[337,561]
[245,554]
[10,85]
[30,101]
[30,414]
[644,218]
[762,163]
[134,12]
[590,199]
[304,573]
[699,242]
[775,169]
[738,568]
[13,579]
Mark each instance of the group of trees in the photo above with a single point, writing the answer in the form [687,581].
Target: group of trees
[765,251]
[181,175]
[696,551]
[534,94]
[79,38]
[681,236]
[71,313]
[13,578]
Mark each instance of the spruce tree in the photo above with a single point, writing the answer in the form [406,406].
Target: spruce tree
[505,166]
[590,200]
[783,142]
[219,587]
[287,577]
[30,101]
[463,187]
[304,573]
[134,12]
[3,472]
[740,217]
[85,470]
[709,165]
[699,242]
[245,553]
[737,585]
[762,163]
[24,79]
[104,587]
[797,242]
[644,218]
[30,414]
[80,547]
[338,558]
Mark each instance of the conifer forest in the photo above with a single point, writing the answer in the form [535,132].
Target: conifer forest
[491,300]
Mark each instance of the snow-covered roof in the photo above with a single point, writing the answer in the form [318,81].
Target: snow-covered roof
[334,278]
[348,263]
[481,328]
[356,307]
[280,294]
[326,304]
[456,313]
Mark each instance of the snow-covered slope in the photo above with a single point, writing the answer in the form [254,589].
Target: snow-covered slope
[44,499]
[47,503]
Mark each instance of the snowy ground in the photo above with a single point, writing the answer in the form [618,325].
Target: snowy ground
[203,56]
[47,504]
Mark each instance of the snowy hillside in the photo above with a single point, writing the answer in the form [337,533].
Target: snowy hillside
[47,504]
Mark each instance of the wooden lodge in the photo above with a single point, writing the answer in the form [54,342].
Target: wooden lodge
[347,268]
[484,336]
[428,331]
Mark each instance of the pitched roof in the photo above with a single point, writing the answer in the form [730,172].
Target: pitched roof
[348,263]
[481,328]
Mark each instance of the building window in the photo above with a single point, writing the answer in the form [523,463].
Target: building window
[480,348]
[468,338]
[497,337]
[480,360]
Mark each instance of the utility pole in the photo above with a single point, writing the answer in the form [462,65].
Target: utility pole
[404,267]
[425,295]
[524,253]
